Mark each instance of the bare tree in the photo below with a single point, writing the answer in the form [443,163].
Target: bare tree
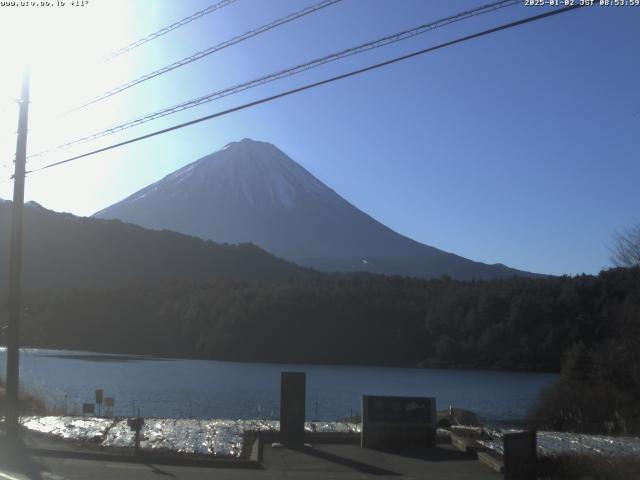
[625,251]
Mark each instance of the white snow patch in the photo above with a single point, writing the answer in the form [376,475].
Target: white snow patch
[551,443]
[209,437]
[68,427]
[181,175]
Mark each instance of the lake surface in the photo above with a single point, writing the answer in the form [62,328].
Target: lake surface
[178,388]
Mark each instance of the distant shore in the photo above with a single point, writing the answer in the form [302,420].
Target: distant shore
[110,355]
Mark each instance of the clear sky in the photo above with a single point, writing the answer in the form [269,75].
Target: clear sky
[521,147]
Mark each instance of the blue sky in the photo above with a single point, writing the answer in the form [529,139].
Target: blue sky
[521,147]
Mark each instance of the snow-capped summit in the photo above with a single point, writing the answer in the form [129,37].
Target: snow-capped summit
[251,191]
[257,173]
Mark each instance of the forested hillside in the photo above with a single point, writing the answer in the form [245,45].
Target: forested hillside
[65,251]
[522,324]
[599,387]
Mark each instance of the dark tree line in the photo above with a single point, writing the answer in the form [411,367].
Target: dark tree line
[587,327]
[518,324]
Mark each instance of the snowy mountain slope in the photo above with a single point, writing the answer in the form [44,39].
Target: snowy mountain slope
[251,191]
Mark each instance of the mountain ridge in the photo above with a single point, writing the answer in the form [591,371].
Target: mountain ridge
[63,251]
[251,191]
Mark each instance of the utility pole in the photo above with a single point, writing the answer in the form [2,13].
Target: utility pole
[15,265]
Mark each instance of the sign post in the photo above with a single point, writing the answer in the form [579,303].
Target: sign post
[109,402]
[136,425]
[99,396]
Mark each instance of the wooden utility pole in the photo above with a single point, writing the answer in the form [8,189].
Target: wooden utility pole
[15,265]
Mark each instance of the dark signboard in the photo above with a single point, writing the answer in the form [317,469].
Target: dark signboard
[390,422]
[399,409]
[292,407]
[135,424]
[88,408]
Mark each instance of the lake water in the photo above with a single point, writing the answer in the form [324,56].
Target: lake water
[177,388]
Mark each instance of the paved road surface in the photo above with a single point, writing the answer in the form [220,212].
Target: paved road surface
[322,462]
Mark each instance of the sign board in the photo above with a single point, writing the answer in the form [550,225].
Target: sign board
[292,407]
[520,455]
[399,409]
[389,421]
[109,402]
[99,395]
[135,424]
[88,408]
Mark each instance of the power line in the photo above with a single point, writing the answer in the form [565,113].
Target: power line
[315,84]
[303,67]
[152,36]
[289,72]
[207,52]
[169,28]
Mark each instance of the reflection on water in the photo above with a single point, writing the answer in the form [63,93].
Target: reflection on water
[177,388]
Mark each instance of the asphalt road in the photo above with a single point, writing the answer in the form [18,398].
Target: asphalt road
[322,462]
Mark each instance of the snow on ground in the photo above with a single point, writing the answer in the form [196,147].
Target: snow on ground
[222,438]
[552,443]
[89,428]
[209,437]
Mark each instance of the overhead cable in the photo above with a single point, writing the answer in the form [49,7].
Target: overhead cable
[204,53]
[314,84]
[169,28]
[288,72]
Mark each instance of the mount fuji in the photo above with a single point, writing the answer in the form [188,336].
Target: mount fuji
[251,191]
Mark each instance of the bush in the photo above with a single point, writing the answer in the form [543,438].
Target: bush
[579,466]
